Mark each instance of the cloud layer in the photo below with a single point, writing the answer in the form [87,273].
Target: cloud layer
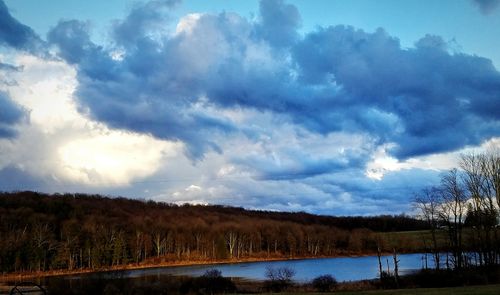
[220,108]
[424,99]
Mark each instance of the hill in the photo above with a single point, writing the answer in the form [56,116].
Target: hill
[42,232]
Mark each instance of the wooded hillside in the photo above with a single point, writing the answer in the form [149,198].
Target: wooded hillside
[41,232]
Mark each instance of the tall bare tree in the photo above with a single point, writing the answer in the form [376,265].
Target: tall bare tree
[453,212]
[428,202]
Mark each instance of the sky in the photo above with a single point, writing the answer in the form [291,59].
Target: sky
[328,107]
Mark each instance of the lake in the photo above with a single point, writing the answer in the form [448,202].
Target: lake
[342,268]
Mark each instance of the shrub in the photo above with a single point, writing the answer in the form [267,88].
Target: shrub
[324,283]
[211,282]
[279,279]
[387,280]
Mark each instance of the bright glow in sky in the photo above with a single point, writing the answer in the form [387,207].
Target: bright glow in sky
[331,107]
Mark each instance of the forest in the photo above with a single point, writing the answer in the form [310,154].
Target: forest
[40,232]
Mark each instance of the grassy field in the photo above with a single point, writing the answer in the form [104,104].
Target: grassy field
[472,290]
[416,241]
[412,241]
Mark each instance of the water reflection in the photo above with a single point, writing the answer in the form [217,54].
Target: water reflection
[343,269]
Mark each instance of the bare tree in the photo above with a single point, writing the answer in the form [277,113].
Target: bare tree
[158,242]
[482,212]
[428,202]
[231,237]
[452,212]
[396,266]
[491,169]
[279,279]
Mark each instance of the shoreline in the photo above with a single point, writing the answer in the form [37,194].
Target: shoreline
[53,273]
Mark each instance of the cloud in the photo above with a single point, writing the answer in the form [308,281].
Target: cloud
[10,114]
[289,168]
[9,68]
[279,22]
[219,108]
[424,99]
[17,35]
[153,89]
[486,6]
[72,152]
[143,19]
[73,39]
[341,193]
[412,93]
[295,163]
[15,179]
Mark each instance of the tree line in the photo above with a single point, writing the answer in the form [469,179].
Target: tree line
[40,232]
[465,206]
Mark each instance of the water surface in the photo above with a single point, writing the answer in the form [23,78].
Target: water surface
[342,268]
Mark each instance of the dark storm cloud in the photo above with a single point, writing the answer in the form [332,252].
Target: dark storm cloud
[151,90]
[439,101]
[10,114]
[17,35]
[487,6]
[425,99]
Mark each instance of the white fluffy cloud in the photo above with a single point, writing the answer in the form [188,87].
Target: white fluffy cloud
[62,145]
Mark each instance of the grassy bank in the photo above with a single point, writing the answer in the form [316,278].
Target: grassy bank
[472,290]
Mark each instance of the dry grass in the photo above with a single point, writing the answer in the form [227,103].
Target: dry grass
[471,290]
